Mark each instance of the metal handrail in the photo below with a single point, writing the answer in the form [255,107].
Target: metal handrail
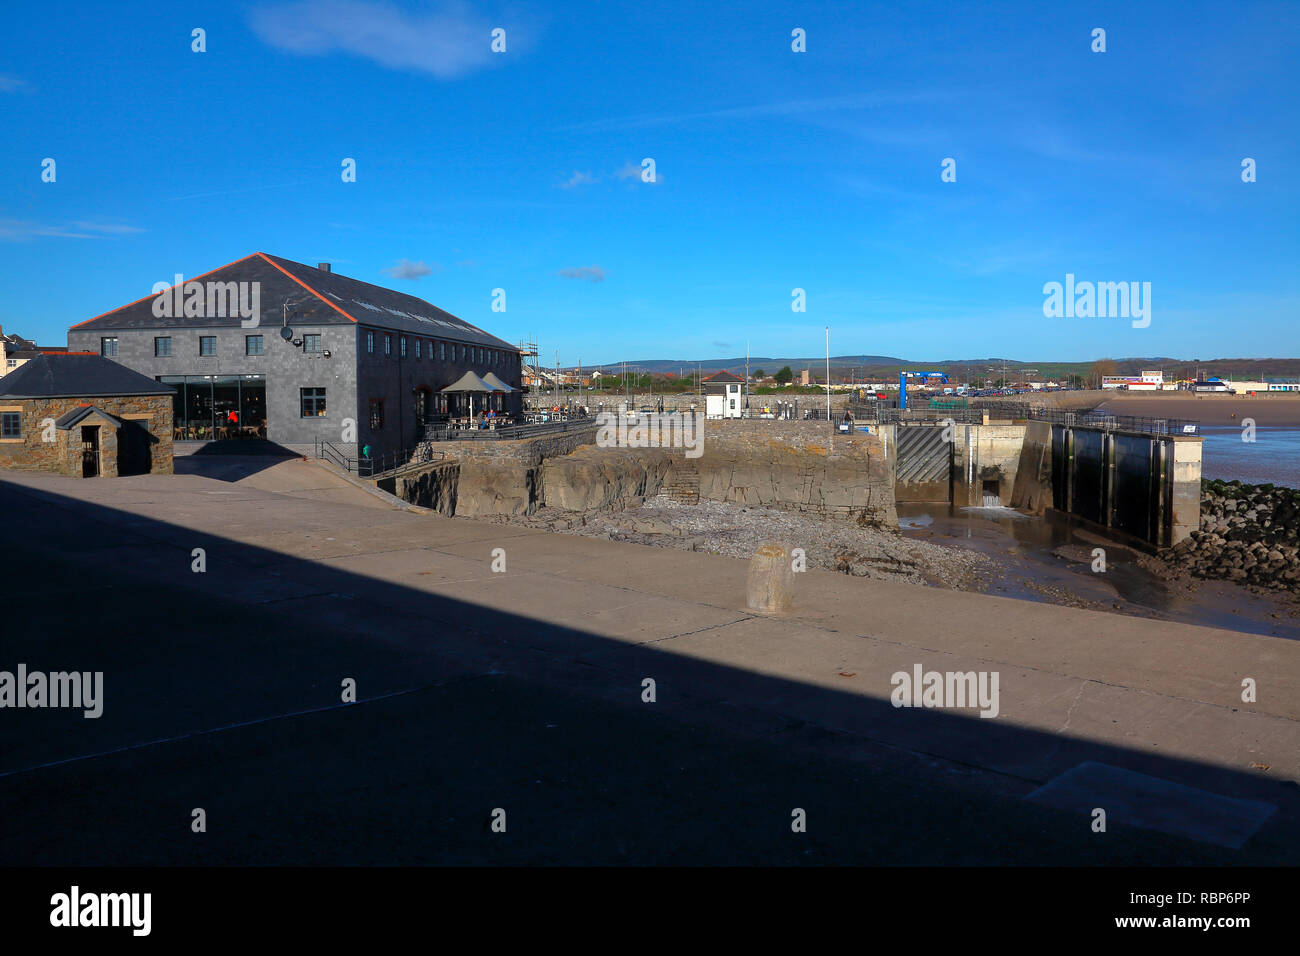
[1093,418]
[377,467]
[509,432]
[876,415]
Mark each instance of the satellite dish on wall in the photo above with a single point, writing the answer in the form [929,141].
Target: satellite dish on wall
[286,333]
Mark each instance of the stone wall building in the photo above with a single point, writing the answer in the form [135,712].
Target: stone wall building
[325,356]
[84,417]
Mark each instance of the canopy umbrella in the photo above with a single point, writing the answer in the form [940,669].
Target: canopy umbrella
[500,386]
[470,383]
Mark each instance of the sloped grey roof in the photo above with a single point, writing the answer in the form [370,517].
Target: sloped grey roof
[77,375]
[314,297]
[70,419]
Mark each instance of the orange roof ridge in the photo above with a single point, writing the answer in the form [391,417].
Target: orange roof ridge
[275,264]
[169,288]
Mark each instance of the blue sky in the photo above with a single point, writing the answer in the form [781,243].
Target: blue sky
[776,170]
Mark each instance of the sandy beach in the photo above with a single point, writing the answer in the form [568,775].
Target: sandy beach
[1266,410]
[1278,409]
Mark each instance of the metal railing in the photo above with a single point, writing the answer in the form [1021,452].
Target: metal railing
[328,451]
[383,465]
[873,414]
[1093,419]
[508,432]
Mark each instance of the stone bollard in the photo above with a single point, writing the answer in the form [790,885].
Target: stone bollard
[771,579]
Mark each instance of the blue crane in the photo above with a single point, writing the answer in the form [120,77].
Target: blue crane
[902,383]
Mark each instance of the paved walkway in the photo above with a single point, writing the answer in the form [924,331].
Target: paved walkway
[310,580]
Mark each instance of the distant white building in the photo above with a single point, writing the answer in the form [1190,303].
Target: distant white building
[1243,388]
[725,398]
[1150,381]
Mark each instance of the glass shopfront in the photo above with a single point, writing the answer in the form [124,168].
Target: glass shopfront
[209,407]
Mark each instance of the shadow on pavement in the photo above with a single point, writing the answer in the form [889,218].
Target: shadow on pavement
[222,692]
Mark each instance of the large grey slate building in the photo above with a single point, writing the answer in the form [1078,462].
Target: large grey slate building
[353,354]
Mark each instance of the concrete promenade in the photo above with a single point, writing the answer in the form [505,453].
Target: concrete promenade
[523,690]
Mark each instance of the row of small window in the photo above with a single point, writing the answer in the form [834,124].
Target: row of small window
[253,345]
[474,353]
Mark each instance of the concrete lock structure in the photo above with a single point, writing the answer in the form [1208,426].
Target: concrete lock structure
[1146,487]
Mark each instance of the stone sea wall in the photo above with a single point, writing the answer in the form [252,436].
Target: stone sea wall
[799,466]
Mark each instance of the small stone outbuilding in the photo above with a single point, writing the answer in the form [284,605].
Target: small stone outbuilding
[84,416]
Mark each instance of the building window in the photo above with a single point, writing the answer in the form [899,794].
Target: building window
[162,346]
[311,343]
[370,343]
[463,351]
[253,345]
[388,344]
[313,402]
[417,348]
[442,351]
[401,345]
[376,414]
[11,424]
[108,347]
[207,345]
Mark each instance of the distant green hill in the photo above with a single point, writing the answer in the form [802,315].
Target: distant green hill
[884,367]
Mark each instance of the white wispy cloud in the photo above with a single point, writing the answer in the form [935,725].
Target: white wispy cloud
[587,273]
[108,228]
[11,84]
[578,179]
[447,42]
[406,269]
[21,230]
[632,172]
